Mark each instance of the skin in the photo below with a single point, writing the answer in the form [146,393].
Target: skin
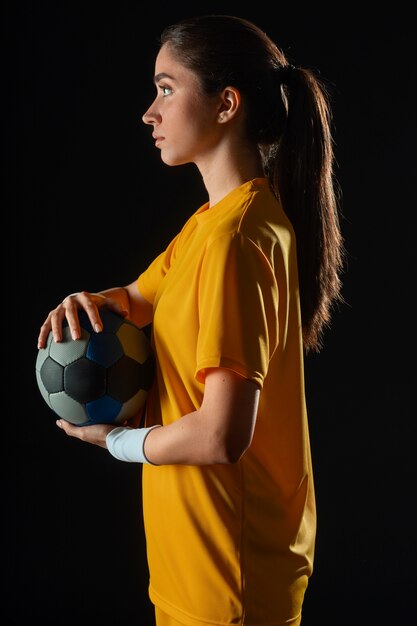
[188,127]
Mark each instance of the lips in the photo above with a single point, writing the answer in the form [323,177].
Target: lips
[157,138]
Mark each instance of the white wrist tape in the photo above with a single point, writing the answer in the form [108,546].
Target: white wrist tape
[127,444]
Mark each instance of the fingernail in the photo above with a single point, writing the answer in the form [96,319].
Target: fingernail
[97,328]
[58,423]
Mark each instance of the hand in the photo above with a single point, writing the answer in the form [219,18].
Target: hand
[68,309]
[95,434]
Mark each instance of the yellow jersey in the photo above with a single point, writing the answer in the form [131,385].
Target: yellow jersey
[231,544]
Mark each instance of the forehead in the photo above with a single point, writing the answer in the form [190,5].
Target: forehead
[167,66]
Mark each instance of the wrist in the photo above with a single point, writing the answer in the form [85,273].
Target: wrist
[127,444]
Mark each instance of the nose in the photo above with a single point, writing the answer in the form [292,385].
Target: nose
[150,116]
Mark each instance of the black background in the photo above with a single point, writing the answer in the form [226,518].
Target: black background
[91,204]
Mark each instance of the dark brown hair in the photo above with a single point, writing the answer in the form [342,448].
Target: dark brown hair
[289,118]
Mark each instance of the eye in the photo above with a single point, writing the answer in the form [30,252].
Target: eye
[166,91]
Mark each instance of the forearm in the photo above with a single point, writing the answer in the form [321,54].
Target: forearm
[218,432]
[120,294]
[185,442]
[189,441]
[140,311]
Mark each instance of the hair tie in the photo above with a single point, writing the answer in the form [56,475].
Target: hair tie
[285,72]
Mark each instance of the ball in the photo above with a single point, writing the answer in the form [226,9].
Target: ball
[101,378]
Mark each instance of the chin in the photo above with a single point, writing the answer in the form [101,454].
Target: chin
[167,161]
[172,161]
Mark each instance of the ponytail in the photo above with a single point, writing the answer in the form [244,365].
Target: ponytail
[301,174]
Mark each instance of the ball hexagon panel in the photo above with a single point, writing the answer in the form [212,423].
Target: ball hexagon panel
[53,373]
[123,378]
[67,351]
[104,348]
[84,380]
[132,345]
[68,408]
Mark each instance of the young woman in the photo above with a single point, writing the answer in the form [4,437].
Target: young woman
[235,300]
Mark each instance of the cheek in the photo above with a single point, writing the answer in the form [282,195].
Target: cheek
[188,126]
[189,129]
[198,112]
[199,122]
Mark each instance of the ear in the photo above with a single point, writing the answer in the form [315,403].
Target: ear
[230,104]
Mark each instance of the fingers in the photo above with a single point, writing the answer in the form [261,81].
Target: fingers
[91,303]
[68,309]
[43,333]
[82,300]
[70,429]
[53,322]
[95,434]
[79,432]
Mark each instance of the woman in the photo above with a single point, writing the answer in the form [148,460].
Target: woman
[245,288]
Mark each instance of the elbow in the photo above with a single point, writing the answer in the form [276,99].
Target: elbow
[229,452]
[233,457]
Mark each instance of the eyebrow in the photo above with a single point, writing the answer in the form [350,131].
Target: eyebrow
[162,75]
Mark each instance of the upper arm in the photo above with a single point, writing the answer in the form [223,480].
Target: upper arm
[140,309]
[218,432]
[230,406]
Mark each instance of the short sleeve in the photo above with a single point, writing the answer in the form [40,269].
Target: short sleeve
[150,279]
[238,304]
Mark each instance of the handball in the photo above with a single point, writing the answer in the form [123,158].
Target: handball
[101,378]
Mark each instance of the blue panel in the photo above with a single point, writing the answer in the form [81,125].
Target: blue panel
[103,411]
[104,349]
[111,320]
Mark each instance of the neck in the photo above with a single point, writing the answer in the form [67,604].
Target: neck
[227,170]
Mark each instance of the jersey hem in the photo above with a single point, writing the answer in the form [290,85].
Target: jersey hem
[229,364]
[189,620]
